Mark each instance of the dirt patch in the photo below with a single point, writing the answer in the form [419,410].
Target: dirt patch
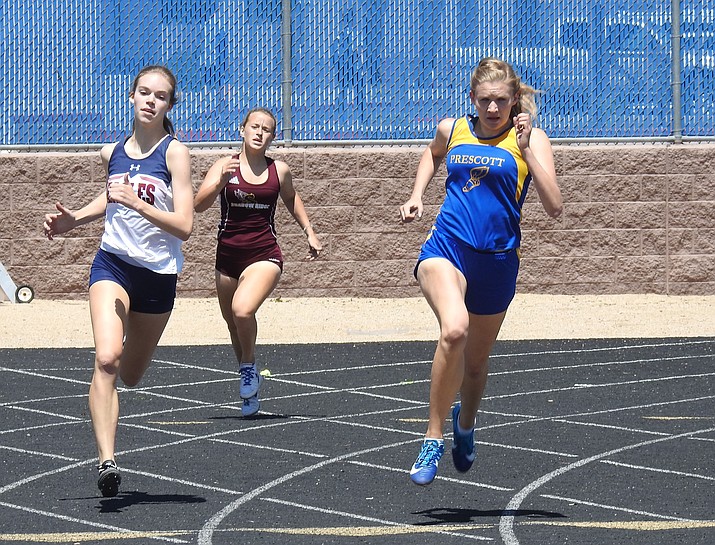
[42,323]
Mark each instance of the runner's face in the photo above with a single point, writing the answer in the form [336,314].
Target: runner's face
[152,97]
[493,100]
[258,132]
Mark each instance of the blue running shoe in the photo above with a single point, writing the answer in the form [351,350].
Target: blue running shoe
[462,444]
[250,380]
[251,406]
[425,468]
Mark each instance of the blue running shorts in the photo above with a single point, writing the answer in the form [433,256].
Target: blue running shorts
[491,276]
[149,292]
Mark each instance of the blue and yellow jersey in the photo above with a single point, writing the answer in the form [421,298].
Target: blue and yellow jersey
[487,180]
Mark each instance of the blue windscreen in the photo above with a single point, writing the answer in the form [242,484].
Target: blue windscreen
[359,69]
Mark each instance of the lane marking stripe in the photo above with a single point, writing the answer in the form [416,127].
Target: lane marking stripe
[506,525]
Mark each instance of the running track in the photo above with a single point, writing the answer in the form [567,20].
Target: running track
[579,442]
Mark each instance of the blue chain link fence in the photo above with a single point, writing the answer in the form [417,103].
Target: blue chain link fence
[384,70]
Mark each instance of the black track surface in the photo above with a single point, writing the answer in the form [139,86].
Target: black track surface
[579,442]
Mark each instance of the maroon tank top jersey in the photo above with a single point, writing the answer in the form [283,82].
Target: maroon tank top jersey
[248,211]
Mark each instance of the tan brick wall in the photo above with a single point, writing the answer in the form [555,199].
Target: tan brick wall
[637,219]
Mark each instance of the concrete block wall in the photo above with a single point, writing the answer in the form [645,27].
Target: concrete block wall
[637,219]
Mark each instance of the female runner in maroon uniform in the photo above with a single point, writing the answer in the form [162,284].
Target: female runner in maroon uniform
[249,261]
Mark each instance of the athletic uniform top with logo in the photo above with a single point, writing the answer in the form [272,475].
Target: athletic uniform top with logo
[126,232]
[486,185]
[248,211]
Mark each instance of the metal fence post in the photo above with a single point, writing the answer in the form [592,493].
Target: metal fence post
[286,73]
[676,78]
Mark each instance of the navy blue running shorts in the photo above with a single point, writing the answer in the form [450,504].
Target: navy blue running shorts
[149,292]
[491,276]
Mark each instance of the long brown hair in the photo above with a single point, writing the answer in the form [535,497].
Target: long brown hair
[173,98]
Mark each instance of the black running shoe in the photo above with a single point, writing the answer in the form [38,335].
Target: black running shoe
[109,478]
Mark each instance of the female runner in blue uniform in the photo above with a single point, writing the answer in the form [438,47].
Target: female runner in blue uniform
[147,205]
[249,261]
[468,265]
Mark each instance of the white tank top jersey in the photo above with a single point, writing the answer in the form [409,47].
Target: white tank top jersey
[126,232]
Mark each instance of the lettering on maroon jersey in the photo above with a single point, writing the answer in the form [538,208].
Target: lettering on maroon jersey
[242,196]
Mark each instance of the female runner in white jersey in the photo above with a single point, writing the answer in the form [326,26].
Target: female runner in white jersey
[148,209]
[468,265]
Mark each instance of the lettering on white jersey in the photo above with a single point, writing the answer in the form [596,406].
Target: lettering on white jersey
[144,186]
[145,191]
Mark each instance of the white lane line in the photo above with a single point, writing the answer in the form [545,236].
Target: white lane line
[438,477]
[516,355]
[42,375]
[593,413]
[385,522]
[192,484]
[184,384]
[206,533]
[52,472]
[40,427]
[603,385]
[397,364]
[42,399]
[156,430]
[89,523]
[506,524]
[525,449]
[271,449]
[580,366]
[356,368]
[372,427]
[189,439]
[195,401]
[260,427]
[615,508]
[610,427]
[201,404]
[660,470]
[355,390]
[574,350]
[214,437]
[201,367]
[210,437]
[45,413]
[362,390]
[37,453]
